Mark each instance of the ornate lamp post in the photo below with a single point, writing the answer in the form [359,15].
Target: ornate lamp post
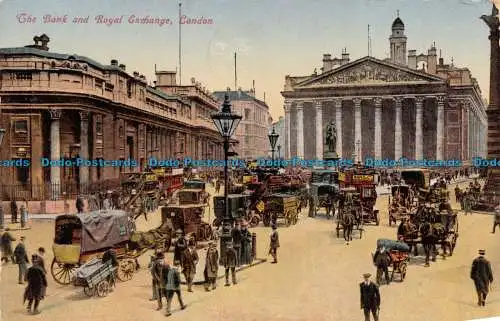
[273,139]
[226,123]
[2,220]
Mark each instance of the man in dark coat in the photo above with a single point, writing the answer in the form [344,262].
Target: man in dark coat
[41,261]
[230,263]
[482,275]
[211,267]
[381,259]
[6,243]
[37,284]
[160,270]
[79,204]
[236,233]
[21,259]
[370,298]
[246,245]
[179,246]
[189,260]
[274,244]
[13,211]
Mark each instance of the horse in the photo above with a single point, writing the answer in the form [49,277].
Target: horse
[429,239]
[347,221]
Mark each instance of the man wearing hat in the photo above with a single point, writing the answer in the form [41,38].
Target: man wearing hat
[236,234]
[189,260]
[230,263]
[180,246]
[496,219]
[157,272]
[370,298]
[211,267]
[6,244]
[482,275]
[107,204]
[246,245]
[274,244]
[21,259]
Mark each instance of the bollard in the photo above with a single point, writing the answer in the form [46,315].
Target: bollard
[24,216]
[2,218]
[254,246]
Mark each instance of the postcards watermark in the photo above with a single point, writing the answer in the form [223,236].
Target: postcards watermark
[132,19]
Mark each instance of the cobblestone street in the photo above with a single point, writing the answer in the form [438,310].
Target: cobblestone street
[316,279]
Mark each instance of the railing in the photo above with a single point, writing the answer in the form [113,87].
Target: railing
[55,191]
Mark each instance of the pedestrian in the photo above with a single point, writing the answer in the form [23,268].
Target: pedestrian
[107,204]
[6,243]
[381,259]
[496,219]
[237,240]
[370,298]
[37,285]
[230,263]
[21,259]
[13,211]
[274,244]
[79,204]
[211,267]
[189,261]
[482,275]
[160,272]
[41,260]
[246,245]
[154,282]
[468,202]
[173,286]
[179,246]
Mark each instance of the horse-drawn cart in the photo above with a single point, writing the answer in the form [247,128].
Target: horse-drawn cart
[399,253]
[189,219]
[401,202]
[82,237]
[278,206]
[96,277]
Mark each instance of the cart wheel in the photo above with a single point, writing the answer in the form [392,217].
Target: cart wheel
[89,291]
[254,221]
[103,288]
[403,271]
[126,269]
[62,273]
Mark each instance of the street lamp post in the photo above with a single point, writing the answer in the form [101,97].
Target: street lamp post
[2,218]
[273,139]
[226,123]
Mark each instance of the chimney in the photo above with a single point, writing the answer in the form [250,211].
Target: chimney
[327,62]
[165,78]
[114,62]
[345,56]
[441,61]
[193,81]
[122,67]
[154,84]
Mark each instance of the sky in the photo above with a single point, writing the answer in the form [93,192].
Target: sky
[272,38]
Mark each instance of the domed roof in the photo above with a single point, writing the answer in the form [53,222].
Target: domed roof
[398,23]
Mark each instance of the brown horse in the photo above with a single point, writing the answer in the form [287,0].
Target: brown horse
[348,220]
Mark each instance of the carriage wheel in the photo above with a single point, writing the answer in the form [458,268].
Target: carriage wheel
[89,291]
[62,273]
[254,221]
[402,271]
[102,288]
[125,270]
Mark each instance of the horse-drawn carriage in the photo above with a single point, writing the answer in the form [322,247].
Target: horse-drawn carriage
[350,213]
[364,181]
[189,219]
[280,206]
[81,237]
[401,203]
[399,253]
[324,190]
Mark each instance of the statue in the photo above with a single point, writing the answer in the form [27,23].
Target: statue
[331,137]
[492,21]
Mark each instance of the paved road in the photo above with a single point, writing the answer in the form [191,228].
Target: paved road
[316,279]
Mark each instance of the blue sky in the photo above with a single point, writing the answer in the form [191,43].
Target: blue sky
[273,38]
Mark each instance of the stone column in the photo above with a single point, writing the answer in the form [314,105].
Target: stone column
[84,149]
[55,151]
[357,130]
[419,147]
[319,130]
[378,127]
[338,121]
[398,138]
[287,107]
[300,129]
[440,128]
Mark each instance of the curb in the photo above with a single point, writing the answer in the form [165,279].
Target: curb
[242,268]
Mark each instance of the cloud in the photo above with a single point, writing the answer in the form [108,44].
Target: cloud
[225,47]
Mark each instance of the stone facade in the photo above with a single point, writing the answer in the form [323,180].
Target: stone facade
[65,106]
[417,108]
[252,131]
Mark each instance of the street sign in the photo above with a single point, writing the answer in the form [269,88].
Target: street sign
[362,179]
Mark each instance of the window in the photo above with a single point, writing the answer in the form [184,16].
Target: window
[21,126]
[98,124]
[23,174]
[121,132]
[247,114]
[129,89]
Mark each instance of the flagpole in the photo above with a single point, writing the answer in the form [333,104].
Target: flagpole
[180,44]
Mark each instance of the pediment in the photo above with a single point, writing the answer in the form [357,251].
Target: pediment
[369,71]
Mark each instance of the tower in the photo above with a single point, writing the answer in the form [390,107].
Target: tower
[397,42]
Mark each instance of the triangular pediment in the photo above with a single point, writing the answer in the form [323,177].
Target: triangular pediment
[368,71]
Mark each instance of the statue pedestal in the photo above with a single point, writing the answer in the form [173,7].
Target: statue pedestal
[330,156]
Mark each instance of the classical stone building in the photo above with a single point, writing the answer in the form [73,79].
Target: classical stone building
[252,131]
[408,105]
[67,106]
